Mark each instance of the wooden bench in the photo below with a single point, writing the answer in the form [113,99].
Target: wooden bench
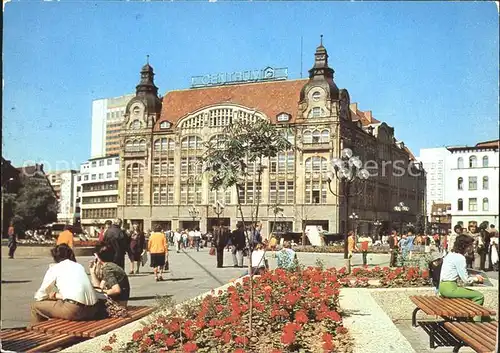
[447,308]
[22,340]
[480,336]
[90,329]
[451,310]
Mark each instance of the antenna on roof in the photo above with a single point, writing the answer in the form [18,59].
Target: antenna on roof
[301,56]
[321,39]
[147,59]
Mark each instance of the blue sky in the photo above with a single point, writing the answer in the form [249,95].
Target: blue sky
[430,69]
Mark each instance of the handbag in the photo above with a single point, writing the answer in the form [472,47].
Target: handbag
[115,310]
[212,251]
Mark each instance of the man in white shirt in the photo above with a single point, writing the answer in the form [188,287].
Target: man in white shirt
[197,238]
[66,291]
[177,240]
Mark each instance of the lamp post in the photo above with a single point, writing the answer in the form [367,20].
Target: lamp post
[3,206]
[218,208]
[354,218]
[194,212]
[401,208]
[351,177]
[377,225]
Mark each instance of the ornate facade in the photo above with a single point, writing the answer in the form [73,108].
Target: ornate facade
[162,143]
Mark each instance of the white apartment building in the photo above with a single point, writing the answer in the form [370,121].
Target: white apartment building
[473,183]
[434,161]
[99,192]
[63,182]
[107,117]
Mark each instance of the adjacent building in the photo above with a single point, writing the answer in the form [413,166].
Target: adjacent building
[434,162]
[63,182]
[162,139]
[99,192]
[107,119]
[473,183]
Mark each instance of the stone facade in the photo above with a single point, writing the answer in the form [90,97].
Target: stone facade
[162,143]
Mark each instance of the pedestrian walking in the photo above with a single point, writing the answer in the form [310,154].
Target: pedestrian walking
[158,250]
[137,244]
[197,238]
[116,238]
[12,244]
[221,236]
[238,244]
[184,239]
[393,245]
[365,241]
[351,245]
[66,236]
[177,240]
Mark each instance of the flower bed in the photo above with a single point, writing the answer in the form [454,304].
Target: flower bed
[336,249]
[387,277]
[292,312]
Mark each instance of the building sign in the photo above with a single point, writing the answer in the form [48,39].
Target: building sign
[228,78]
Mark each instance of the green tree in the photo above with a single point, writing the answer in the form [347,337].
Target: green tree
[235,156]
[35,204]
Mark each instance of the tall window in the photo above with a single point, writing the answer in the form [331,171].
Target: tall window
[460,183]
[473,183]
[283,163]
[316,185]
[163,171]
[485,183]
[223,196]
[473,204]
[134,184]
[485,161]
[191,143]
[281,192]
[486,204]
[460,205]
[164,145]
[249,191]
[472,162]
[316,136]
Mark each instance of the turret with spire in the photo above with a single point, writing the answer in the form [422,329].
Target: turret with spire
[321,75]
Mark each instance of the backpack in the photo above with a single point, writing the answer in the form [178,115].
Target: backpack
[435,271]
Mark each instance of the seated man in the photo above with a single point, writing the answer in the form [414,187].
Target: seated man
[66,291]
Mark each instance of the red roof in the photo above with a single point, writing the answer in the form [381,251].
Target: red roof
[271,98]
[493,143]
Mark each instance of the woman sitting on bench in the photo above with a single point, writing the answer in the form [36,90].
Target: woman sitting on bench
[454,267]
[66,291]
[114,281]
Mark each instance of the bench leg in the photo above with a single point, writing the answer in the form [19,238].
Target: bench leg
[414,317]
[457,347]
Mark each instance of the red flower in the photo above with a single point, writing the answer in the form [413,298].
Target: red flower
[169,341]
[226,337]
[241,340]
[239,350]
[190,347]
[328,346]
[107,349]
[136,337]
[217,332]
[288,337]
[188,333]
[301,317]
[147,341]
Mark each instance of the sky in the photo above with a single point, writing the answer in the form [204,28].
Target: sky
[429,69]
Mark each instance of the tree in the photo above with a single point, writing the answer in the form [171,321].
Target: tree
[35,204]
[238,154]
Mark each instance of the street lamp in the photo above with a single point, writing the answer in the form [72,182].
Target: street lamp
[401,208]
[351,176]
[3,192]
[377,225]
[354,218]
[194,212]
[218,208]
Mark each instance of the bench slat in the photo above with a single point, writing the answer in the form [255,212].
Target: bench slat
[460,330]
[477,332]
[421,305]
[481,310]
[53,343]
[458,308]
[450,307]
[22,340]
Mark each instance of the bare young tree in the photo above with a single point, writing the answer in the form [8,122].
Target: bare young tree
[227,160]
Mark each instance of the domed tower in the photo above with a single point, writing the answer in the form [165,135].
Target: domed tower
[320,95]
[144,109]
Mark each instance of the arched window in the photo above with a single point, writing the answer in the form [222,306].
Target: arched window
[460,163]
[460,205]
[485,183]
[129,145]
[316,136]
[485,161]
[142,145]
[156,145]
[325,136]
[307,136]
[191,143]
[472,162]
[460,183]
[486,204]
